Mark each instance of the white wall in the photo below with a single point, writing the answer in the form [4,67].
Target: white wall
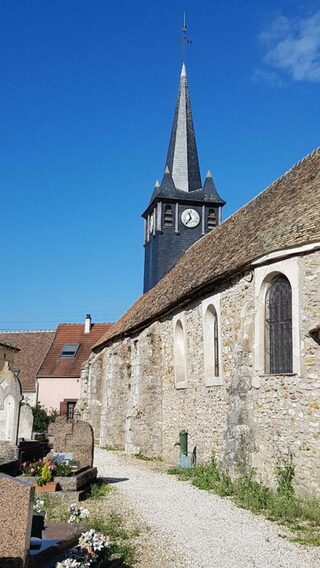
[53,391]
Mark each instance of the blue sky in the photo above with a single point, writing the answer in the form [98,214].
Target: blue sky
[88,90]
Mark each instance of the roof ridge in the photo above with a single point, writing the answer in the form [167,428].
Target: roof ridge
[81,323]
[27,330]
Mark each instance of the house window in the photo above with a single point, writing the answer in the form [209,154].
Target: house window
[212,219]
[69,350]
[70,410]
[179,354]
[278,326]
[168,216]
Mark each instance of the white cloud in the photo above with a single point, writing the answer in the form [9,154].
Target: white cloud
[266,76]
[293,46]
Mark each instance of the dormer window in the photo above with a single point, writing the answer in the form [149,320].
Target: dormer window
[69,350]
[212,219]
[168,216]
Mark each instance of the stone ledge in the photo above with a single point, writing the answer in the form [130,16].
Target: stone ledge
[74,482]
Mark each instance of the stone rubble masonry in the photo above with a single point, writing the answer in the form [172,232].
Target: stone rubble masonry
[251,420]
[16,500]
[73,436]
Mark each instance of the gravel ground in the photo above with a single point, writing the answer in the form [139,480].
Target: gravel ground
[195,528]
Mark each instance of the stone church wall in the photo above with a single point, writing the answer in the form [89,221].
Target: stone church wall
[248,419]
[287,407]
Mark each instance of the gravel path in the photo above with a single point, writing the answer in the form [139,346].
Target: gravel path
[205,530]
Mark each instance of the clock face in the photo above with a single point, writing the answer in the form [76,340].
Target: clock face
[190,218]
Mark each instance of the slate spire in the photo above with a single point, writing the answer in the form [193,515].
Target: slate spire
[182,158]
[210,190]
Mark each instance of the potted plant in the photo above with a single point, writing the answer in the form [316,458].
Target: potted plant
[45,480]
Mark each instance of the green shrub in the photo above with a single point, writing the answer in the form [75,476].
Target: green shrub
[285,475]
[40,418]
[45,476]
[52,415]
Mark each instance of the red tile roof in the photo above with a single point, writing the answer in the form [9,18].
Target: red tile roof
[33,347]
[56,366]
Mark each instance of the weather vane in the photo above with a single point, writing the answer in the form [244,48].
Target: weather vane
[184,40]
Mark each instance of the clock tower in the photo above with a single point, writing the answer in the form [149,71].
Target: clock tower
[181,210]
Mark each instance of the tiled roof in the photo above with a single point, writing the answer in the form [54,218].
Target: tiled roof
[33,347]
[285,215]
[56,366]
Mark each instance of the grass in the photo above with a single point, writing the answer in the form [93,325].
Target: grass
[112,448]
[99,489]
[301,516]
[110,524]
[113,526]
[142,457]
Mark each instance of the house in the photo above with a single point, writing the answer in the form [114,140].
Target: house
[58,378]
[33,347]
[225,344]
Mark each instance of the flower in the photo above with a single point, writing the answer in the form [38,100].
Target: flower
[38,506]
[70,563]
[93,548]
[77,514]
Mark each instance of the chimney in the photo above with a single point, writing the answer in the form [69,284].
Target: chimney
[87,324]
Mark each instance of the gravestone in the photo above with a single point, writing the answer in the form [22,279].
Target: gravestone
[73,436]
[16,501]
[10,398]
[25,422]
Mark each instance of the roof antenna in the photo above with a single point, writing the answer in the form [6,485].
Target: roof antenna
[184,40]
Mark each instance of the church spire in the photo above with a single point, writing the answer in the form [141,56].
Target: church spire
[182,158]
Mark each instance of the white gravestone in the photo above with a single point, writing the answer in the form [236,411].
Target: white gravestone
[10,398]
[25,422]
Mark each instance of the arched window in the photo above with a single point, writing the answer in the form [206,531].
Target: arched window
[179,353]
[278,326]
[211,343]
[168,216]
[212,219]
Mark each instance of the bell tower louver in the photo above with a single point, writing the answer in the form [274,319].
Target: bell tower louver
[180,210]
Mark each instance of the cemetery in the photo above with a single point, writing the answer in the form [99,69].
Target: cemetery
[41,476]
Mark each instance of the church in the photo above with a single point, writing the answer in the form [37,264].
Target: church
[225,341]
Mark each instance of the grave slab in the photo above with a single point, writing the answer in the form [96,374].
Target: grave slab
[25,422]
[16,500]
[73,436]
